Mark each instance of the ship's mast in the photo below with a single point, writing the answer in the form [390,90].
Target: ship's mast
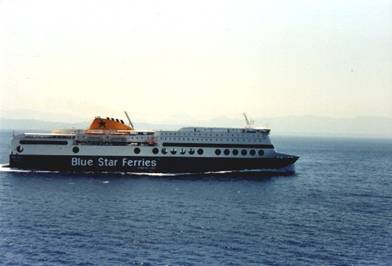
[129,120]
[249,123]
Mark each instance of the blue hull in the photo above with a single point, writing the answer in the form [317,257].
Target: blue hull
[146,164]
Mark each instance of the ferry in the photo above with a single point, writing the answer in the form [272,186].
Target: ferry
[111,145]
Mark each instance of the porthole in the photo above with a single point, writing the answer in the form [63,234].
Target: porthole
[164,151]
[136,150]
[252,152]
[261,152]
[182,151]
[200,151]
[235,152]
[173,151]
[155,150]
[226,152]
[191,151]
[217,151]
[19,149]
[75,149]
[244,152]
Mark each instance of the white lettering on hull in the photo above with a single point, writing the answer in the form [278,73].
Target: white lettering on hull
[139,163]
[107,162]
[81,162]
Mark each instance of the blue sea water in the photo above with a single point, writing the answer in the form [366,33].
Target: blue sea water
[336,210]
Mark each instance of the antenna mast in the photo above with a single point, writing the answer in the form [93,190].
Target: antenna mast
[129,120]
[249,123]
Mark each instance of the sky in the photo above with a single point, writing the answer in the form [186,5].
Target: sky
[182,60]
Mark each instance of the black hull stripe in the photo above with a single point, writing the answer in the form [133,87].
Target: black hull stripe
[217,145]
[145,164]
[43,142]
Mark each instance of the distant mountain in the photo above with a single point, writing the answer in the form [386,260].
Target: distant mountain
[374,127]
[33,124]
[377,127]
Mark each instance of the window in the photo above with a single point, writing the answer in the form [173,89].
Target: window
[261,152]
[227,152]
[44,142]
[136,150]
[155,150]
[235,152]
[244,152]
[183,151]
[75,149]
[252,152]
[173,151]
[217,151]
[164,151]
[200,151]
[19,149]
[191,151]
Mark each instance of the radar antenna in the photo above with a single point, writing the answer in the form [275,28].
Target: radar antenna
[249,122]
[129,120]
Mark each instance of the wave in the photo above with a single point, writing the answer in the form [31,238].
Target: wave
[289,170]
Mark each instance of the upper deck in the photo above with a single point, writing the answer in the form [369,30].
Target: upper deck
[187,137]
[224,130]
[114,132]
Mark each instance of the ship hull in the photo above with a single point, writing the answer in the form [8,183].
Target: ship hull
[146,164]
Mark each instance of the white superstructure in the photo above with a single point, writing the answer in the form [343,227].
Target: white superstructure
[235,142]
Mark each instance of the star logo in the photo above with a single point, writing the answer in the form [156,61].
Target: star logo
[102,124]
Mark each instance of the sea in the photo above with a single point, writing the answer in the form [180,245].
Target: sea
[336,210]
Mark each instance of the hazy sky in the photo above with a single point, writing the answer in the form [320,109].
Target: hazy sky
[165,60]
